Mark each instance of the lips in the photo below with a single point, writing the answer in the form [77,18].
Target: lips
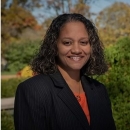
[75,58]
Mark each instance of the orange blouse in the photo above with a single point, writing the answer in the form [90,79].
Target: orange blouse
[83,103]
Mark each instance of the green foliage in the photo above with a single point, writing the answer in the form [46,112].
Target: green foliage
[18,55]
[7,122]
[8,87]
[121,111]
[117,81]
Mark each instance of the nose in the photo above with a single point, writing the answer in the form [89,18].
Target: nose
[76,48]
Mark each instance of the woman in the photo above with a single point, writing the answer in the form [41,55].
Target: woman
[62,96]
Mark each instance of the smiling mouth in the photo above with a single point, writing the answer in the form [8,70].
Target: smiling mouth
[75,58]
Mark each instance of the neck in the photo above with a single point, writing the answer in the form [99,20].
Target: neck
[71,75]
[72,78]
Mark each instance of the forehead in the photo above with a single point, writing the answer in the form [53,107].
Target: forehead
[73,24]
[74,28]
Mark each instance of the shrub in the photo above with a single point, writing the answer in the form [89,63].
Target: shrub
[117,81]
[8,87]
[18,55]
[7,122]
[26,72]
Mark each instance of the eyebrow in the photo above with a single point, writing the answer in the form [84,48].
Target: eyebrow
[82,38]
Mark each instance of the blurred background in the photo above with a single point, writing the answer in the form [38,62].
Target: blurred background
[23,26]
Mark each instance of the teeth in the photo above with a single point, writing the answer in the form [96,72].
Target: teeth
[75,58]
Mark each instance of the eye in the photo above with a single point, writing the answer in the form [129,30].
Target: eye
[84,42]
[67,43]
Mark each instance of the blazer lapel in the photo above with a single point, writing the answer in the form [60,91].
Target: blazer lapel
[92,99]
[69,99]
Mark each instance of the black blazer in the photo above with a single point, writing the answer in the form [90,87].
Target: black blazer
[45,102]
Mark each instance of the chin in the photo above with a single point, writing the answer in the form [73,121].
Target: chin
[76,68]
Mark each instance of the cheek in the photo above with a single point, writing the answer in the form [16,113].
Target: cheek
[62,51]
[88,50]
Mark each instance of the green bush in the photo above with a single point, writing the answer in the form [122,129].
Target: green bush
[7,122]
[117,81]
[18,55]
[8,87]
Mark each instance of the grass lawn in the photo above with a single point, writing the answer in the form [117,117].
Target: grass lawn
[8,73]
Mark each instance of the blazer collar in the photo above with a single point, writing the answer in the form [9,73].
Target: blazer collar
[58,79]
[69,99]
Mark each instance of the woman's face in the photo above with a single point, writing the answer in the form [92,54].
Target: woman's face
[73,46]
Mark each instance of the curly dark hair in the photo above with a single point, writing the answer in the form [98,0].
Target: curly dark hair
[45,60]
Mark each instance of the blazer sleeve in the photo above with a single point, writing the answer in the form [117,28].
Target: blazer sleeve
[104,95]
[27,114]
[112,126]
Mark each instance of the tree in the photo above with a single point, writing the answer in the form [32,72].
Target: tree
[68,6]
[82,8]
[113,22]
[17,24]
[13,21]
[26,4]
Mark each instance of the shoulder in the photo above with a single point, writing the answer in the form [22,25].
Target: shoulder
[99,87]
[35,90]
[37,79]
[36,83]
[94,81]
[96,84]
